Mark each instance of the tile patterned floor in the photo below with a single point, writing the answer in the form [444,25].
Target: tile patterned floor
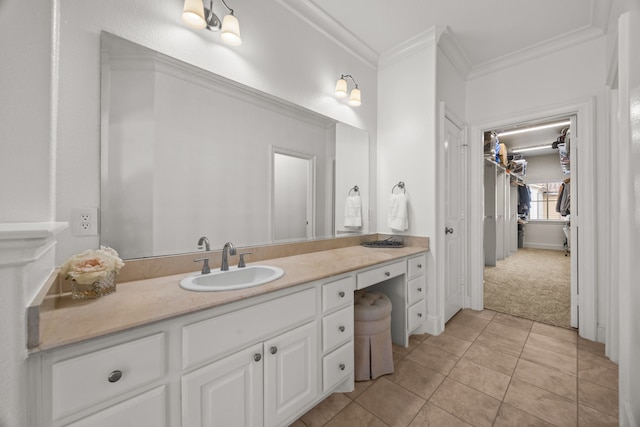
[486,369]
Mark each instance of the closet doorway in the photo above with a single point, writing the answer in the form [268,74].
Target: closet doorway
[527,221]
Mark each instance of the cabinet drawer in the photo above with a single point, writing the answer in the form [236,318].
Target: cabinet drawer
[417,265]
[213,337]
[337,328]
[146,409]
[380,274]
[416,315]
[337,294]
[91,378]
[417,289]
[337,366]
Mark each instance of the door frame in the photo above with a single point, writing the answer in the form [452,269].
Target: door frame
[583,260]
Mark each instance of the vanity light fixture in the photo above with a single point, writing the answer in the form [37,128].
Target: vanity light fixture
[195,15]
[341,90]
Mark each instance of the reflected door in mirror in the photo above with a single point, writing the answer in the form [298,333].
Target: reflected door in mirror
[293,196]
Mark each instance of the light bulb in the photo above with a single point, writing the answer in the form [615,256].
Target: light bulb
[230,32]
[341,88]
[354,98]
[193,14]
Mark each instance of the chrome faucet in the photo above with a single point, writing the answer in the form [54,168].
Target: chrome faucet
[205,241]
[227,249]
[205,267]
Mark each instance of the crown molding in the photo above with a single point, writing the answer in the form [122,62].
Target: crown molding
[318,19]
[409,47]
[453,50]
[548,47]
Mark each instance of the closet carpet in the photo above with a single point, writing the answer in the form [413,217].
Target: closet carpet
[533,284]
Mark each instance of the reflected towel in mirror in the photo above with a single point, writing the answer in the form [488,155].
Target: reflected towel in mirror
[353,212]
[398,214]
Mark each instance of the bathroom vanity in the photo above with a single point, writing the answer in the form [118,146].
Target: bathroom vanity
[255,357]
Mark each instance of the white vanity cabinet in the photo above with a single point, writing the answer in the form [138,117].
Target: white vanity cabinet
[260,361]
[337,332]
[270,380]
[416,292]
[113,383]
[404,283]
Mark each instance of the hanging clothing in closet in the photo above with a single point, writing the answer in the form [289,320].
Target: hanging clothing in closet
[524,200]
[563,204]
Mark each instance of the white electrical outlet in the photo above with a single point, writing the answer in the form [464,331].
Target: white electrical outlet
[84,221]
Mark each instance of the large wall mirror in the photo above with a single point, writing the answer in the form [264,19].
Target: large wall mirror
[186,153]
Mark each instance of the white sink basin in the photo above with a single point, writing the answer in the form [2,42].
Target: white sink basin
[234,278]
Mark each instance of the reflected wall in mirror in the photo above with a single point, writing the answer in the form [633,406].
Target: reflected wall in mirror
[186,153]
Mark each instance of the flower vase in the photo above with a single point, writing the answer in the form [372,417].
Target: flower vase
[97,289]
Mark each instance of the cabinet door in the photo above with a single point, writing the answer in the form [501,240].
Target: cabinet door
[225,393]
[291,373]
[147,409]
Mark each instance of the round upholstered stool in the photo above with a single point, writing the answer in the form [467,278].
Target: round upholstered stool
[372,335]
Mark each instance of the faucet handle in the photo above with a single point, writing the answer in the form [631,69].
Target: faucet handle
[205,267]
[241,263]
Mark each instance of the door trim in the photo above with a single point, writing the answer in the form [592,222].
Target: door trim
[584,251]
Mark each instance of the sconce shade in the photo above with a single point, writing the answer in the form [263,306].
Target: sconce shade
[230,32]
[341,88]
[354,98]
[193,14]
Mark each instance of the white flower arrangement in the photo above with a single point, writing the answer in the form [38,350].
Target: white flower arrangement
[92,265]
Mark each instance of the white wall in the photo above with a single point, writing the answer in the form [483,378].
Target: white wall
[544,235]
[544,169]
[407,145]
[301,69]
[25,185]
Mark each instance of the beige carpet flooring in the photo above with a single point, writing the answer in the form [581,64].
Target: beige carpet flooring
[533,284]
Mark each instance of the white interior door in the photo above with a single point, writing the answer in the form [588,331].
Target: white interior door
[455,230]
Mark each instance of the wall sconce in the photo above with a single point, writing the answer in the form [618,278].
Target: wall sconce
[341,90]
[195,15]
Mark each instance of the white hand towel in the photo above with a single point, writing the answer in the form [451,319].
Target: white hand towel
[398,213]
[353,212]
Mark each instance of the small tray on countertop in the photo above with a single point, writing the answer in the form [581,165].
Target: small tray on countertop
[387,243]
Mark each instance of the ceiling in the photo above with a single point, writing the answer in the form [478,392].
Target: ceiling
[488,32]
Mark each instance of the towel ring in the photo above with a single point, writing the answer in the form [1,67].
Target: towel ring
[400,185]
[356,189]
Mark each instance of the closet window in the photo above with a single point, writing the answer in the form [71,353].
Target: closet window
[544,196]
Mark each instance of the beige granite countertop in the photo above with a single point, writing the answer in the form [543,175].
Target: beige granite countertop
[141,302]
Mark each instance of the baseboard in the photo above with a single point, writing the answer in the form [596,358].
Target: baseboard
[626,416]
[433,325]
[544,246]
[601,334]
